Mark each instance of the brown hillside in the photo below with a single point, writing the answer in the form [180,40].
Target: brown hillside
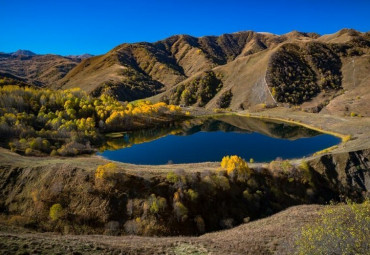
[134,71]
[241,70]
[40,70]
[296,69]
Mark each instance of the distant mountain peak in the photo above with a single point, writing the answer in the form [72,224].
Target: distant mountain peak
[24,53]
[82,56]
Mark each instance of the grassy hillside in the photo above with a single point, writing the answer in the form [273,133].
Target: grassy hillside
[318,73]
[267,236]
[97,196]
[295,69]
[39,70]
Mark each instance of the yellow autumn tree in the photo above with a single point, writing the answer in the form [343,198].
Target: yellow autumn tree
[106,170]
[236,167]
[339,229]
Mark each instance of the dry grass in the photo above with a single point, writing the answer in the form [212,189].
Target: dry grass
[272,235]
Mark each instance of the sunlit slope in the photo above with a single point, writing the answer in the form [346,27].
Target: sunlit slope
[325,73]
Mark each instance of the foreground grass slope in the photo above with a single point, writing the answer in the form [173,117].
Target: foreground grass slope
[278,234]
[91,195]
[271,235]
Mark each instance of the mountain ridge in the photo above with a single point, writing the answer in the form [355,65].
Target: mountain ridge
[238,70]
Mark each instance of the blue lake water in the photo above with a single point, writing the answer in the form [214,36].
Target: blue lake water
[214,138]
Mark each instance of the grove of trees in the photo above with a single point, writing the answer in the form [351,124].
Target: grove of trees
[70,122]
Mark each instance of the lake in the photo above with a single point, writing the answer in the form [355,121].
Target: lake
[203,140]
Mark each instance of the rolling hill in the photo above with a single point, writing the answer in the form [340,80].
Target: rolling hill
[26,67]
[326,73]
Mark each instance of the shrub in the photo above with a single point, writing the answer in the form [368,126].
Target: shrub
[157,204]
[28,151]
[193,195]
[281,166]
[56,211]
[341,229]
[172,177]
[247,195]
[304,166]
[53,153]
[225,99]
[200,224]
[221,182]
[104,171]
[181,211]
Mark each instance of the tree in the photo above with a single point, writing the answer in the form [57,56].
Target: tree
[236,167]
[225,99]
[104,171]
[185,97]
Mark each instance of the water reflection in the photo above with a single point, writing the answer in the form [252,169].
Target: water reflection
[236,124]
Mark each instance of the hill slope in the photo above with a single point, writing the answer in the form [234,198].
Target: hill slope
[272,235]
[326,73]
[40,70]
[236,70]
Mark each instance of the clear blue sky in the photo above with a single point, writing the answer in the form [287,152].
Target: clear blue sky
[80,26]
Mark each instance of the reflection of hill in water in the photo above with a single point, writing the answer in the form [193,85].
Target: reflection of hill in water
[223,123]
[270,128]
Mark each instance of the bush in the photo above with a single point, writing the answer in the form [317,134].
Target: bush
[157,204]
[201,226]
[181,211]
[53,153]
[56,211]
[341,229]
[225,99]
[281,166]
[193,195]
[172,177]
[104,171]
[28,151]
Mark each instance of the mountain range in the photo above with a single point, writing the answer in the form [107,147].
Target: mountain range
[328,73]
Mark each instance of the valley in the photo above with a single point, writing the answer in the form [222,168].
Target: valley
[62,119]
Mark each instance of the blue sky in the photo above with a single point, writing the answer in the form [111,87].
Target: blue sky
[75,27]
